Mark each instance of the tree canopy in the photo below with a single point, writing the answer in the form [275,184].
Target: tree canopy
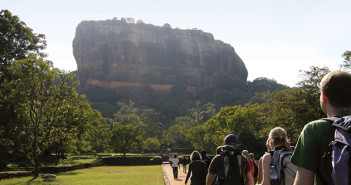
[17,40]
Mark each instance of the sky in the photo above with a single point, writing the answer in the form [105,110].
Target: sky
[275,39]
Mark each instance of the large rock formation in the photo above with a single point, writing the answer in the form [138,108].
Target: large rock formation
[119,55]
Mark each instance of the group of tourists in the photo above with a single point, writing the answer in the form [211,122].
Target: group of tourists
[321,154]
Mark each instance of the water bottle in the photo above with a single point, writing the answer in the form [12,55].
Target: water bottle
[274,176]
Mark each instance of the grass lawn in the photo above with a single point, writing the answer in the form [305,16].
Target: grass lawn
[121,175]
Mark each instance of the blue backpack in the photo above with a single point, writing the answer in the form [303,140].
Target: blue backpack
[341,149]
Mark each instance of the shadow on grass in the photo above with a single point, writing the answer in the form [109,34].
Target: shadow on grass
[31,180]
[69,173]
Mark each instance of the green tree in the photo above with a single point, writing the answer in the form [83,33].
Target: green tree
[17,40]
[185,121]
[153,127]
[125,137]
[175,136]
[293,108]
[152,144]
[42,100]
[123,109]
[201,113]
[132,119]
[98,132]
[198,137]
[347,61]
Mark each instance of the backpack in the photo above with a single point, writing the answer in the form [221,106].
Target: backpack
[341,149]
[232,175]
[286,169]
[255,170]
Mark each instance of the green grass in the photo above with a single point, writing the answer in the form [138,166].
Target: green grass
[122,175]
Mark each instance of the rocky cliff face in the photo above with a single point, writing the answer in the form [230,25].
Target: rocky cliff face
[115,54]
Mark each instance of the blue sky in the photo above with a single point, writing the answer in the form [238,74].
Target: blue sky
[274,38]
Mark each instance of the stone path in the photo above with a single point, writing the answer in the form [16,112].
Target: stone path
[168,175]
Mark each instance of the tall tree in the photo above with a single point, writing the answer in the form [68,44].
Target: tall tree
[123,109]
[17,40]
[202,112]
[153,127]
[44,102]
[125,137]
[347,61]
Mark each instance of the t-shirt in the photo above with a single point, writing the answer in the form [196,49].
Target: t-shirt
[310,148]
[217,162]
[175,162]
[197,170]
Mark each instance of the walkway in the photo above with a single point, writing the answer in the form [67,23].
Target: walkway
[168,175]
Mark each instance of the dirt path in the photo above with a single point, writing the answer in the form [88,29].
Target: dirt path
[168,175]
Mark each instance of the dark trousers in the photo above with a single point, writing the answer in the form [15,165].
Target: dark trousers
[175,172]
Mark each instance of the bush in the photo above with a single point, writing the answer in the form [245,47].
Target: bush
[155,161]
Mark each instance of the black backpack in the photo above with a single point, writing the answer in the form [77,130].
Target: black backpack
[231,156]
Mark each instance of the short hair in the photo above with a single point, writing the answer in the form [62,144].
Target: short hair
[278,136]
[252,155]
[336,86]
[195,156]
[245,153]
[230,139]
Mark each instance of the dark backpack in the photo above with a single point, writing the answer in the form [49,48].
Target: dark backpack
[286,170]
[341,149]
[255,170]
[232,156]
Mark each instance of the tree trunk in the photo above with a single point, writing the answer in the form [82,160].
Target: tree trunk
[35,154]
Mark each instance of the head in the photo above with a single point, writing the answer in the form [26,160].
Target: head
[245,153]
[277,137]
[203,153]
[252,156]
[335,91]
[195,156]
[230,139]
[175,156]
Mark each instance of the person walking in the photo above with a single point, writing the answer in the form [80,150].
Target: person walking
[197,170]
[229,165]
[252,157]
[314,167]
[246,154]
[205,159]
[184,163]
[278,141]
[175,164]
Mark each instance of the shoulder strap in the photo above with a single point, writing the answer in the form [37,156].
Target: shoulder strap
[343,122]
[331,119]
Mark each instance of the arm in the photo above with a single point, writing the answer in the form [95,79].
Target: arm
[260,171]
[188,175]
[304,177]
[210,178]
[266,167]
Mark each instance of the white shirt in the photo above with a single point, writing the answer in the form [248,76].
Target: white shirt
[175,162]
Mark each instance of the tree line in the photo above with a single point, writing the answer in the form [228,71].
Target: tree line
[42,113]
